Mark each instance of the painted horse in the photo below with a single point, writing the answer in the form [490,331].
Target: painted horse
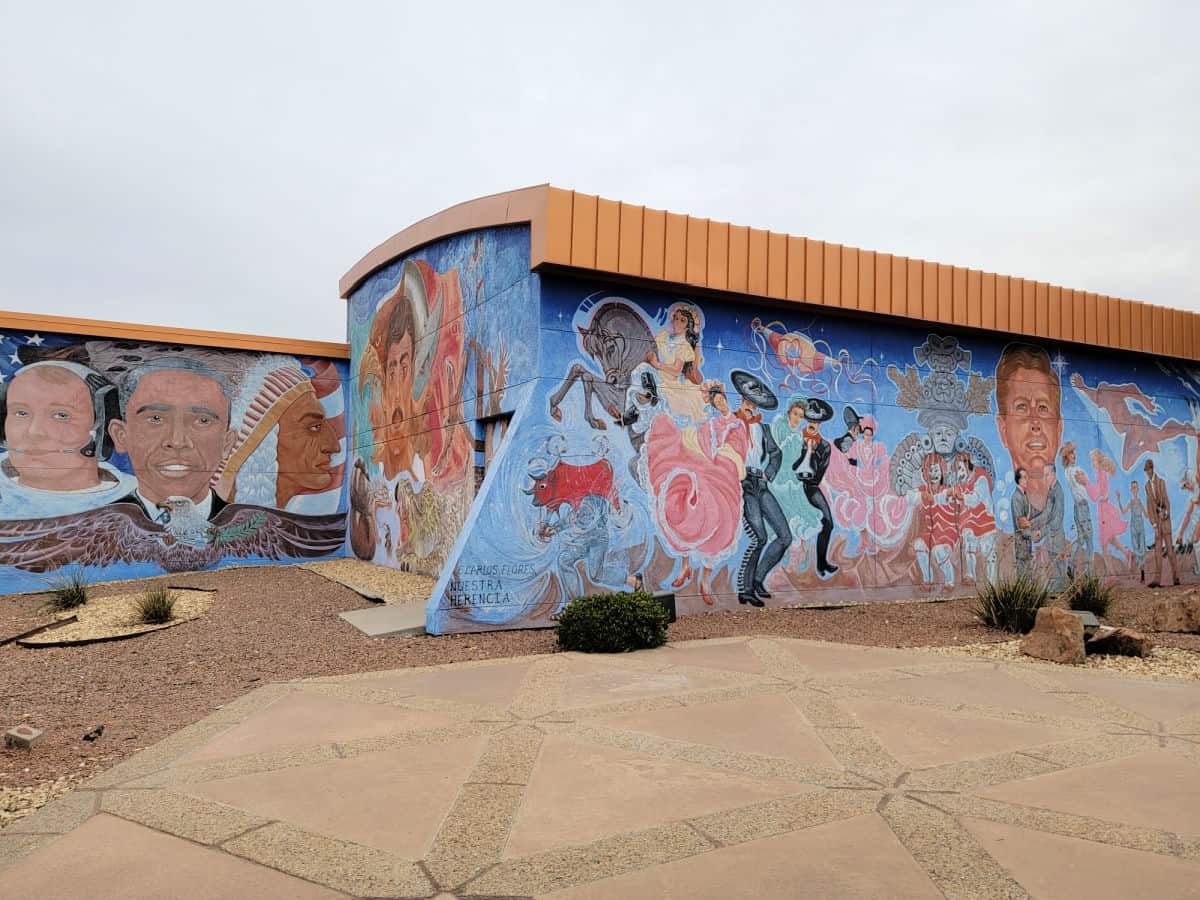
[617,340]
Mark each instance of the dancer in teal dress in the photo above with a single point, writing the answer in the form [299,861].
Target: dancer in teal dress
[803,518]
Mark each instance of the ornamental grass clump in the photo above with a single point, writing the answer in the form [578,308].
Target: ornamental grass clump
[1012,603]
[69,588]
[612,623]
[1089,593]
[156,606]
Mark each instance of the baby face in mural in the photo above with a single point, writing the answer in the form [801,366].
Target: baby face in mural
[48,424]
[1029,417]
[307,444]
[175,429]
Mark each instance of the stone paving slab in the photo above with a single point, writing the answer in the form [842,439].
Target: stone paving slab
[756,767]
[388,619]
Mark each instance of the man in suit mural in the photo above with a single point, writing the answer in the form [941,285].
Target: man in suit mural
[760,508]
[175,428]
[810,469]
[1158,508]
[1025,534]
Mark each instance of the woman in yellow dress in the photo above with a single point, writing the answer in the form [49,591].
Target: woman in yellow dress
[677,358]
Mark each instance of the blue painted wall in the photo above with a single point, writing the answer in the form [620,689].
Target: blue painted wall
[649,482]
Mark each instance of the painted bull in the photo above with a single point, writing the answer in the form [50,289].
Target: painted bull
[567,483]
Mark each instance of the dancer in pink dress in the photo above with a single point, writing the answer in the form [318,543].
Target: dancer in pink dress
[861,482]
[696,473]
[1112,526]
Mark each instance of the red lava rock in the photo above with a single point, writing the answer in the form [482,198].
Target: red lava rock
[1057,636]
[1120,642]
[1177,614]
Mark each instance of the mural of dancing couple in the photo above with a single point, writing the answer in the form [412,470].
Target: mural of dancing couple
[743,460]
[129,458]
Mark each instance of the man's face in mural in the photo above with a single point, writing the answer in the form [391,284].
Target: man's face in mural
[404,438]
[176,432]
[398,389]
[943,437]
[1030,424]
[307,444]
[50,419]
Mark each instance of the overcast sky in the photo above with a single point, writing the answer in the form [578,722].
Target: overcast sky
[220,165]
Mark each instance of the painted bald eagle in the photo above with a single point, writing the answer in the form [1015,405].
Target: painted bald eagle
[122,533]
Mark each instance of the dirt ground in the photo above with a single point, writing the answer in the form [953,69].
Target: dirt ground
[278,623]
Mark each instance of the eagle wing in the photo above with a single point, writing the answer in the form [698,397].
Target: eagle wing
[120,532]
[258,531]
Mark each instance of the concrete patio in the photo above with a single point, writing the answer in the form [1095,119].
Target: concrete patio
[746,767]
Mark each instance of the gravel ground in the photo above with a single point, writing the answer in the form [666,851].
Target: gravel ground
[1162,663]
[277,623]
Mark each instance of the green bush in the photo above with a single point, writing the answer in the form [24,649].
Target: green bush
[1089,593]
[1012,603]
[69,588]
[156,606]
[612,623]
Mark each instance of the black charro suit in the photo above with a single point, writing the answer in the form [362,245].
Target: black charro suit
[759,510]
[810,472]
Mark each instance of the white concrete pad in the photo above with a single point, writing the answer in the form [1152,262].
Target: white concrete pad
[385,621]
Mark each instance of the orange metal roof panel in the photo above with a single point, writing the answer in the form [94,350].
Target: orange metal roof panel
[35,322]
[739,258]
[586,232]
[866,280]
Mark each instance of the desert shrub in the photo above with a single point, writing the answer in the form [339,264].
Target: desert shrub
[155,606]
[1089,593]
[1012,603]
[69,588]
[612,623]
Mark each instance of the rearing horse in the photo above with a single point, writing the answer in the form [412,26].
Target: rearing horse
[617,339]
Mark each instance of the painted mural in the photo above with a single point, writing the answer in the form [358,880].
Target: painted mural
[745,457]
[131,459]
[444,340]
